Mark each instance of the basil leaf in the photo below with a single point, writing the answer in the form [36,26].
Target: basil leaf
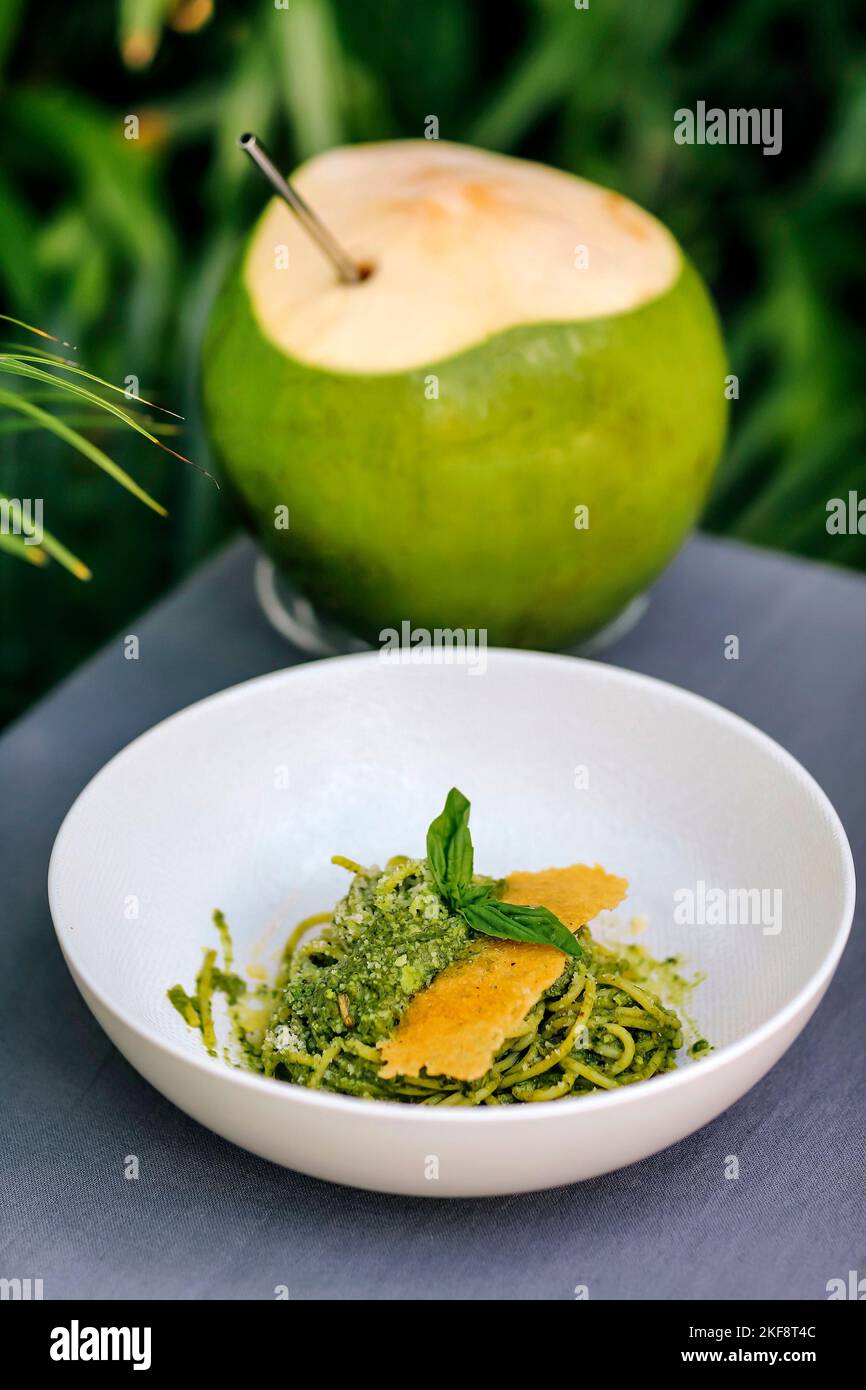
[513,922]
[449,848]
[450,856]
[475,893]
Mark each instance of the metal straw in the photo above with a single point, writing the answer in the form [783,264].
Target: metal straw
[346,268]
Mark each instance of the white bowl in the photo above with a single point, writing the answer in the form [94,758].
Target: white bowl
[239,801]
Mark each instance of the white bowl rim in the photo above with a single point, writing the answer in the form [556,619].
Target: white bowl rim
[394,1111]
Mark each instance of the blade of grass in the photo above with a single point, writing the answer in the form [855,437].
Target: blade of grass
[53,547]
[47,544]
[141,25]
[43,355]
[15,367]
[79,420]
[310,71]
[84,446]
[31,328]
[66,366]
[15,546]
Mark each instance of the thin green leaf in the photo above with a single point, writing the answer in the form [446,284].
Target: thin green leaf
[141,25]
[13,353]
[65,365]
[79,419]
[65,557]
[31,328]
[17,366]
[47,544]
[15,546]
[84,446]
[310,71]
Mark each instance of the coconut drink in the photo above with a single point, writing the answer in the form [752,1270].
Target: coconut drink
[506,421]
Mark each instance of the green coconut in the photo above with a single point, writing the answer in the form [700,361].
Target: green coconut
[510,424]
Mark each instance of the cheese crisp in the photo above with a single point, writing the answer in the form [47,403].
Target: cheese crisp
[456,1026]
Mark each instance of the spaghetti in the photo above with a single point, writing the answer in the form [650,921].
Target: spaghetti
[598,1027]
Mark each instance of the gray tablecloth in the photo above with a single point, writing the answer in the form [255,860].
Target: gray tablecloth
[206,1220]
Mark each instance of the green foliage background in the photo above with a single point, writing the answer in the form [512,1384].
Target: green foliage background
[119,245]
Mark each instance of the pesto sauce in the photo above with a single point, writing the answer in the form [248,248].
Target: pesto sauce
[390,936]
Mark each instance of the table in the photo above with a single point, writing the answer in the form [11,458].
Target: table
[206,1220]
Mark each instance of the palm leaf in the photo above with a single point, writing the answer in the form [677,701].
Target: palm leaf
[45,369]
[57,426]
[19,366]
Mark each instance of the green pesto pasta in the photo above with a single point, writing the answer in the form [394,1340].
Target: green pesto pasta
[348,978]
[342,992]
